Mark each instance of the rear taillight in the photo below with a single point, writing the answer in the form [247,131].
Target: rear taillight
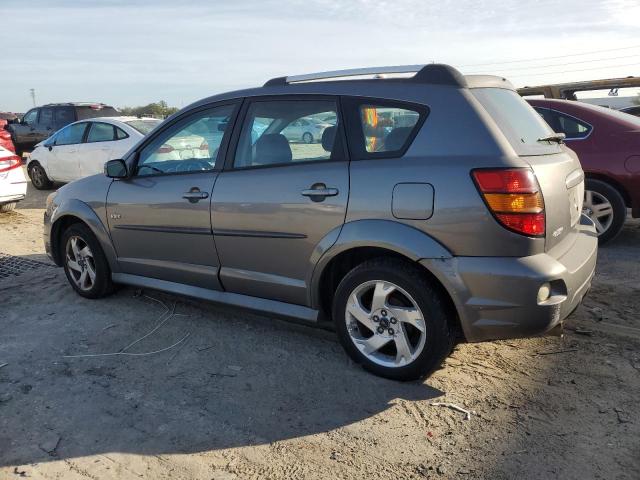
[9,163]
[5,135]
[513,196]
[165,149]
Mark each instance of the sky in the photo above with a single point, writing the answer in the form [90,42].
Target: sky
[133,52]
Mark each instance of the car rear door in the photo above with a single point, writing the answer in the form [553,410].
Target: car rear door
[159,218]
[97,148]
[277,199]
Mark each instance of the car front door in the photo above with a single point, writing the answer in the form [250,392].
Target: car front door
[63,160]
[159,217]
[25,131]
[278,200]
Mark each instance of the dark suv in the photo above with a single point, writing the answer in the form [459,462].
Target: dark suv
[40,122]
[436,206]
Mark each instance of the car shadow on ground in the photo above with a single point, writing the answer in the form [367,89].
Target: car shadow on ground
[237,379]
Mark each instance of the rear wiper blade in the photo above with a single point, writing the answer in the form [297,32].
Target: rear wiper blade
[556,137]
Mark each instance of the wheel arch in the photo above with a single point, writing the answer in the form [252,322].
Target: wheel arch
[393,240]
[75,211]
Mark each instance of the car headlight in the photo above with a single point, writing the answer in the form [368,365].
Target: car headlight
[51,204]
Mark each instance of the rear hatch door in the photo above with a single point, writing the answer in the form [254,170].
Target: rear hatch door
[556,167]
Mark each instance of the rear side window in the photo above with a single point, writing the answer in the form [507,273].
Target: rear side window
[63,116]
[573,128]
[286,132]
[517,120]
[46,117]
[382,128]
[121,134]
[100,132]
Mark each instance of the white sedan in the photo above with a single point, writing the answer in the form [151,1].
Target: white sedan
[13,185]
[81,149]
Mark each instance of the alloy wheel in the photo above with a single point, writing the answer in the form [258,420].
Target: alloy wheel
[80,263]
[385,323]
[598,209]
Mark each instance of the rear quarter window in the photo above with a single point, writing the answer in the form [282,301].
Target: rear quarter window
[380,128]
[99,111]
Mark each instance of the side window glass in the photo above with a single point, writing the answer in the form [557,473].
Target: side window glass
[121,134]
[285,132]
[100,132]
[46,117]
[30,117]
[63,116]
[71,135]
[386,129]
[572,127]
[190,146]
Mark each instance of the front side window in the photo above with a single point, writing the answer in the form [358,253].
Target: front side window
[100,132]
[283,132]
[192,145]
[30,117]
[71,135]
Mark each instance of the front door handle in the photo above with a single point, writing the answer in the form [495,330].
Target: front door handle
[195,195]
[319,191]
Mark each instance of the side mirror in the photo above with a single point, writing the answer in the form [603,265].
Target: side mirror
[115,169]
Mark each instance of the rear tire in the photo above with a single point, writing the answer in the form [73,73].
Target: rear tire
[404,336]
[84,262]
[39,177]
[7,207]
[606,207]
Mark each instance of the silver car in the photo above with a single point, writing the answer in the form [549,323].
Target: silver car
[307,130]
[439,208]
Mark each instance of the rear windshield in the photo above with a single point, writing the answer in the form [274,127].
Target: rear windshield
[518,121]
[144,126]
[97,111]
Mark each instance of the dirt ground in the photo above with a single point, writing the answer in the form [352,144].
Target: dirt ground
[248,396]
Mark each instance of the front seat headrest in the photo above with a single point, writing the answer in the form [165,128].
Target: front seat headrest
[273,148]
[328,138]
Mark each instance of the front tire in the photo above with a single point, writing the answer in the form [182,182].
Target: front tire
[604,205]
[84,262]
[7,207]
[391,320]
[39,177]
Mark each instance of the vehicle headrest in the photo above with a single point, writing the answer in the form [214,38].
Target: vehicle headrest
[273,148]
[397,138]
[328,138]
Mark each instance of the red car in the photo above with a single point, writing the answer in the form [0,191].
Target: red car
[5,138]
[608,145]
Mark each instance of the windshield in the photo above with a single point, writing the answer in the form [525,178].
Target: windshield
[518,121]
[144,126]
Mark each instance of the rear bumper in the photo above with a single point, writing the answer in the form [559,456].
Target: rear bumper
[497,297]
[13,186]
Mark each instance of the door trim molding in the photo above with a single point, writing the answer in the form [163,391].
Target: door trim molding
[256,233]
[158,228]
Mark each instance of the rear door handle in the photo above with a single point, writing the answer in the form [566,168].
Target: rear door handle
[195,195]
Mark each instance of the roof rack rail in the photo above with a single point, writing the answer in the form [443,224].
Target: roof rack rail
[433,73]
